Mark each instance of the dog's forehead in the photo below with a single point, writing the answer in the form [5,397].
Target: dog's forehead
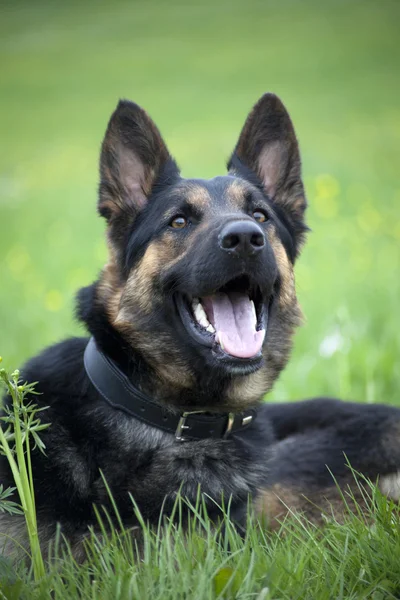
[223,191]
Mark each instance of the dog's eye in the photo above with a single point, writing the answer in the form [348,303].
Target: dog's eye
[260,216]
[179,222]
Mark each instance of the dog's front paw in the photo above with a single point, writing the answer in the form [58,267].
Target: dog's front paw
[390,486]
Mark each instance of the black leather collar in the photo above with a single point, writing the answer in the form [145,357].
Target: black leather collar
[116,389]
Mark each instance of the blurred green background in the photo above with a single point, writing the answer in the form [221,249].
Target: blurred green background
[198,69]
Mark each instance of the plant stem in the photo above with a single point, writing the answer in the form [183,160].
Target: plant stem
[22,472]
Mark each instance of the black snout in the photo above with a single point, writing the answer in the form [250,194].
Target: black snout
[242,238]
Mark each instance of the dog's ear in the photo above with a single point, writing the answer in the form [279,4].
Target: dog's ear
[133,156]
[268,146]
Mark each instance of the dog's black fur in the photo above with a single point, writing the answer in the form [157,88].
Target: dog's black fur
[134,312]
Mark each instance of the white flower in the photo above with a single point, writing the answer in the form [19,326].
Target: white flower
[331,344]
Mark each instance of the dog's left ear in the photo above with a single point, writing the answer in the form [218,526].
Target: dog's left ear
[268,147]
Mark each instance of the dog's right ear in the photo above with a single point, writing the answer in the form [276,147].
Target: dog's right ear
[133,155]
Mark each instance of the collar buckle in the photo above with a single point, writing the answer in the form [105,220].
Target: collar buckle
[179,433]
[182,425]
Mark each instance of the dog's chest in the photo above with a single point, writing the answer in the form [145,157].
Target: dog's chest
[152,466]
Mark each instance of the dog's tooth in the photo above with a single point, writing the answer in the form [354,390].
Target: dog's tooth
[195,303]
[253,309]
[218,339]
[198,312]
[201,316]
[210,329]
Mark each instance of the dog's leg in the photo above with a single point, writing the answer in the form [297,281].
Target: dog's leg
[317,441]
[290,418]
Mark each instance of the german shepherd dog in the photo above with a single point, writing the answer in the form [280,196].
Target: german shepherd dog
[191,322]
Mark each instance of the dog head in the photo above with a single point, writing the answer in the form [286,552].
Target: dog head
[200,280]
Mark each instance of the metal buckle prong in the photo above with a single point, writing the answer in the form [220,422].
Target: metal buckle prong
[231,420]
[182,424]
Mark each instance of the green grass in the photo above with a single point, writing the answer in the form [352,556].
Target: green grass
[349,561]
[198,69]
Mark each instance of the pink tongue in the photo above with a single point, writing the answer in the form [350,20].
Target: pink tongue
[235,323]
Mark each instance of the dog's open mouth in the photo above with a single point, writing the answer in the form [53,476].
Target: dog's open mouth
[232,320]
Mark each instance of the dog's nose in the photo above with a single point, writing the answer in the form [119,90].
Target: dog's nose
[242,238]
